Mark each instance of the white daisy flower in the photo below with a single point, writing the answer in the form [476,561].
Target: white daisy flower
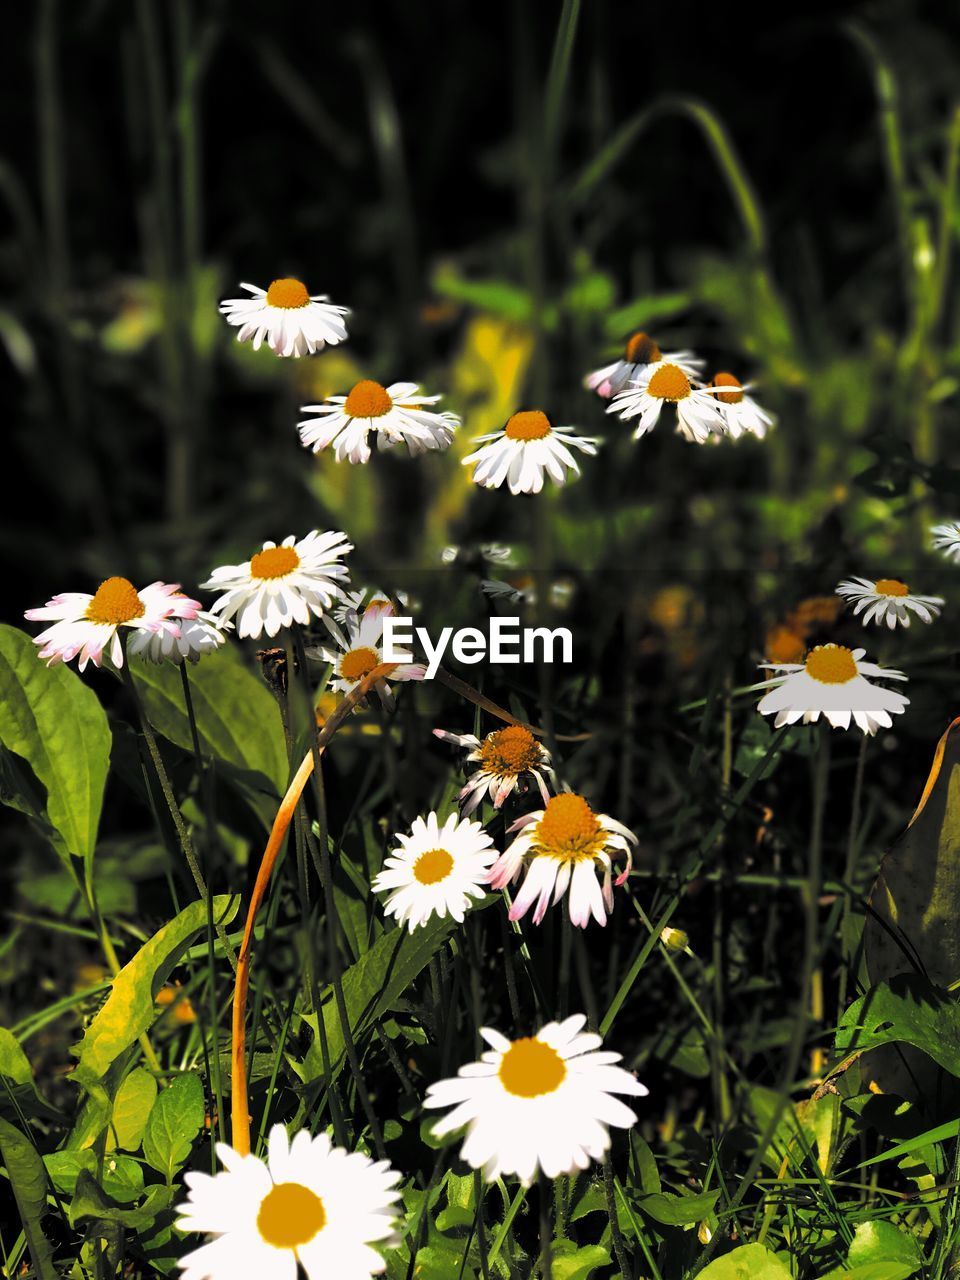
[641,359]
[506,757]
[831,682]
[563,846]
[293,321]
[741,413]
[527,447]
[888,600]
[395,414]
[493,552]
[309,1205]
[541,1102]
[698,415]
[436,870]
[946,538]
[87,626]
[281,585]
[360,649]
[198,636]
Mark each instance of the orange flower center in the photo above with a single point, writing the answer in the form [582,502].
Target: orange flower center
[669,383]
[734,395]
[509,752]
[433,866]
[116,601]
[358,663]
[531,424]
[368,400]
[275,562]
[290,1215]
[288,294]
[891,587]
[531,1068]
[569,830]
[641,349]
[831,664]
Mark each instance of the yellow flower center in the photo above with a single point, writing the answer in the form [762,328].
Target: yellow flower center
[531,424]
[433,866]
[358,663]
[569,830]
[290,1215]
[275,562]
[891,587]
[734,395]
[641,349]
[116,601]
[669,383]
[510,752]
[288,294]
[368,400]
[531,1068]
[831,664]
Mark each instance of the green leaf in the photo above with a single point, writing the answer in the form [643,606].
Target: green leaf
[882,1242]
[18,1086]
[176,1119]
[131,1110]
[749,1262]
[580,1264]
[28,1178]
[91,1201]
[678,1211]
[907,1010]
[122,1175]
[129,1010]
[372,987]
[53,721]
[237,717]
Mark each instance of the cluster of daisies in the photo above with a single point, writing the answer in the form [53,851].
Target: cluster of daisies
[541,1103]
[833,680]
[529,447]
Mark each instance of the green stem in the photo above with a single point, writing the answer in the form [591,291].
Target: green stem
[332,919]
[616,1239]
[849,867]
[183,835]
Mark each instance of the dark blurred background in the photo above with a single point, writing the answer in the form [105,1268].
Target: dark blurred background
[392,155]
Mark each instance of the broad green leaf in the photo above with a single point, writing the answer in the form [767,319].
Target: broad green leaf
[176,1119]
[53,721]
[91,1201]
[749,1262]
[678,1211]
[580,1264]
[372,986]
[18,1089]
[237,717]
[915,903]
[882,1242]
[872,1271]
[28,1178]
[907,1010]
[122,1176]
[129,1010]
[131,1110]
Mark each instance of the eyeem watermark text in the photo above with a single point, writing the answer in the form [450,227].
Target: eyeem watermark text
[505,641]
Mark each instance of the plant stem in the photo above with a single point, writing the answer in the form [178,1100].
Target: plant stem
[616,1239]
[183,835]
[331,917]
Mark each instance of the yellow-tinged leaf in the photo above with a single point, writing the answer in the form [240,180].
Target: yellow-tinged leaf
[915,904]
